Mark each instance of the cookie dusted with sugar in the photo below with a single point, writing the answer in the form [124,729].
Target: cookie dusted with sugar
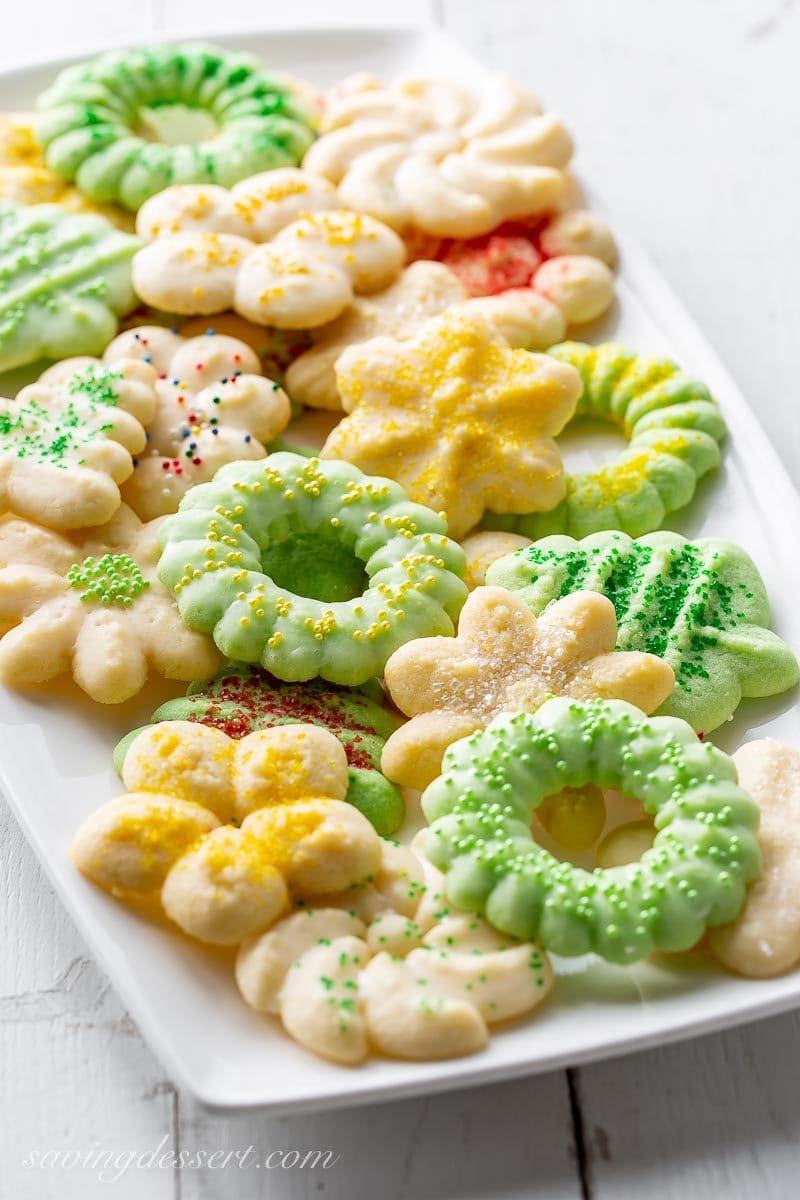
[127,124]
[213,406]
[67,442]
[66,280]
[94,607]
[171,835]
[456,416]
[280,251]
[310,568]
[701,605]
[503,659]
[693,877]
[241,700]
[437,156]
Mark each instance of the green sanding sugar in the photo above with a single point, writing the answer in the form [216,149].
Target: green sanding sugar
[112,579]
[97,383]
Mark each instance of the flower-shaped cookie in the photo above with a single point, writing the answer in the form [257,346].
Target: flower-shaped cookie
[437,156]
[277,248]
[764,940]
[66,442]
[523,317]
[504,659]
[93,606]
[388,967]
[456,416]
[173,834]
[213,406]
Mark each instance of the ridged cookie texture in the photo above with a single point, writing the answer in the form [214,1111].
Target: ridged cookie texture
[702,606]
[64,280]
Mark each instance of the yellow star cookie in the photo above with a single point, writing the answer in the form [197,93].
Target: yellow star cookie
[504,659]
[457,417]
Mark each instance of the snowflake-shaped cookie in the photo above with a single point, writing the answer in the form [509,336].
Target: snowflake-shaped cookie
[225,830]
[213,406]
[277,248]
[94,607]
[437,156]
[67,441]
[504,659]
[456,416]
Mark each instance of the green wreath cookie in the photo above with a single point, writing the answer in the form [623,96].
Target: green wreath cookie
[705,851]
[310,568]
[99,118]
[700,605]
[673,428]
[241,700]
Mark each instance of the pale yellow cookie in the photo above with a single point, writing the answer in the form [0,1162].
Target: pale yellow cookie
[436,156]
[503,659]
[456,416]
[482,549]
[764,940]
[213,406]
[104,616]
[281,252]
[68,441]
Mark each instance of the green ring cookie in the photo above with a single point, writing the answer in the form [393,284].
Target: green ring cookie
[368,569]
[702,606]
[705,852]
[673,428]
[240,700]
[94,116]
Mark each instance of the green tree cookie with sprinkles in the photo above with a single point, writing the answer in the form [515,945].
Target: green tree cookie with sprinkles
[93,607]
[67,441]
[65,278]
[704,854]
[673,428]
[241,700]
[702,606]
[310,568]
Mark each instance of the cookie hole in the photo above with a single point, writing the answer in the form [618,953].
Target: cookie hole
[589,443]
[315,566]
[175,124]
[590,827]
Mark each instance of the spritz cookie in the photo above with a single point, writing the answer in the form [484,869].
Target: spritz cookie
[240,700]
[67,442]
[457,417]
[310,568]
[701,605]
[673,429]
[213,406]
[295,260]
[128,124]
[439,157]
[172,835]
[503,659]
[92,607]
[66,279]
[694,876]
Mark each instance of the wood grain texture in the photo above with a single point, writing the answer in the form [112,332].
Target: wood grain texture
[686,117]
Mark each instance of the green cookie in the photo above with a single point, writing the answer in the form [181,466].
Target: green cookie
[115,125]
[702,606]
[705,851]
[64,279]
[673,429]
[240,700]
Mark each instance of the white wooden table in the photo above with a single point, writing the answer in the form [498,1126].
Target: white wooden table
[687,117]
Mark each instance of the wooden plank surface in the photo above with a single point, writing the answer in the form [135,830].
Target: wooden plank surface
[687,119]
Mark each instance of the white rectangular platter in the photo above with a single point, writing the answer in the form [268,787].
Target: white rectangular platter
[55,746]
